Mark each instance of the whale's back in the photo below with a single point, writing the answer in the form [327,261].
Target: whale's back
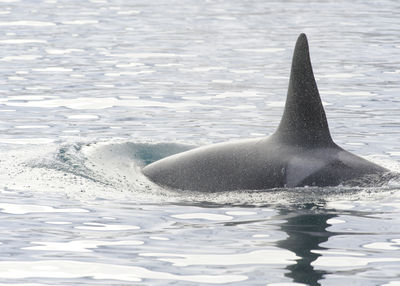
[300,152]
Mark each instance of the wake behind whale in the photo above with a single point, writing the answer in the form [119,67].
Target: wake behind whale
[300,153]
[111,170]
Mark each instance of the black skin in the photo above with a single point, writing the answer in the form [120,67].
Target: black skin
[300,153]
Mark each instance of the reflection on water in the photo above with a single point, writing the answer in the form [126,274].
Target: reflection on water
[106,217]
[57,269]
[179,244]
[87,89]
[306,231]
[271,256]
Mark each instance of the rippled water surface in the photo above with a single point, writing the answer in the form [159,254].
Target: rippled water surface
[90,91]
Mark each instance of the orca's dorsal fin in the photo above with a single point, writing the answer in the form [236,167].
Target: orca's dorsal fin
[303,122]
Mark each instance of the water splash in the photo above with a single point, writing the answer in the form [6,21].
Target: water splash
[113,169]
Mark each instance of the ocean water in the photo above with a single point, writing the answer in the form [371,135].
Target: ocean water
[91,91]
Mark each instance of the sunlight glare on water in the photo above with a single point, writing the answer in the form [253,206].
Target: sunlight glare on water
[91,91]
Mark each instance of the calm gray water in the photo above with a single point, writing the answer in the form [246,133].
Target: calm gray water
[90,91]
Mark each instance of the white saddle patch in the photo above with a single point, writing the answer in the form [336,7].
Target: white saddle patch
[299,168]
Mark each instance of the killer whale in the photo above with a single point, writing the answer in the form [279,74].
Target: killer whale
[301,152]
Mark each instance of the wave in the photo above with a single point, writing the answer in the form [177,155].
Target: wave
[113,170]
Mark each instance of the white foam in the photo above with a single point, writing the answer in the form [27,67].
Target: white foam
[19,171]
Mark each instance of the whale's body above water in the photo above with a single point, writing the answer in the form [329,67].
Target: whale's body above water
[300,153]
